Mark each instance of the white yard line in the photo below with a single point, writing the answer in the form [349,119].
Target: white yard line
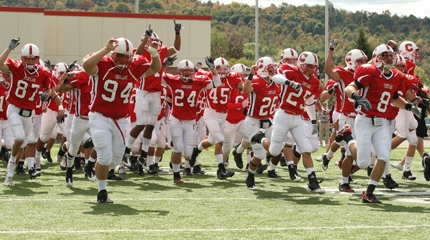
[17,232]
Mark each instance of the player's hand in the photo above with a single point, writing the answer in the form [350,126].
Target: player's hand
[71,66]
[295,85]
[245,103]
[44,97]
[333,43]
[414,109]
[14,42]
[111,44]
[361,101]
[178,26]
[210,62]
[331,90]
[149,31]
[314,129]
[48,64]
[61,116]
[169,61]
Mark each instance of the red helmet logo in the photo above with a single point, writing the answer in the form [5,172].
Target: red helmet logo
[303,57]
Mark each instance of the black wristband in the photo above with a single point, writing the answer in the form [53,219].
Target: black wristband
[408,106]
[332,49]
[65,80]
[178,32]
[314,121]
[250,76]
[330,91]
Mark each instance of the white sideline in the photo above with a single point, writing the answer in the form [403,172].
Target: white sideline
[17,232]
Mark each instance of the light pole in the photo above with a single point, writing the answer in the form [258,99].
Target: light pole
[256,30]
[326,35]
[136,6]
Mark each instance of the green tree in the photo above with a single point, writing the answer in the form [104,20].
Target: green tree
[362,43]
[122,7]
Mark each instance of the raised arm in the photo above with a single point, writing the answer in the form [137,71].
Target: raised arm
[12,45]
[90,64]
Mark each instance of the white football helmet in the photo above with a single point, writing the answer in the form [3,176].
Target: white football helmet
[308,63]
[400,62]
[186,70]
[239,68]
[409,50]
[123,53]
[383,55]
[353,56]
[289,55]
[59,69]
[267,67]
[30,51]
[222,67]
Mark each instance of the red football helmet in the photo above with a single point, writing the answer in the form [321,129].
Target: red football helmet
[186,70]
[400,62]
[123,53]
[4,77]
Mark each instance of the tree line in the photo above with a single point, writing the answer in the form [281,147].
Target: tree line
[286,25]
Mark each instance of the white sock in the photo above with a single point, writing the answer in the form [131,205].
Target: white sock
[101,184]
[145,144]
[408,163]
[130,141]
[310,170]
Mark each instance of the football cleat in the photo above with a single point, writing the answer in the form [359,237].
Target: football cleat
[34,173]
[88,143]
[257,137]
[20,168]
[112,176]
[283,162]
[426,164]
[194,155]
[152,169]
[250,182]
[237,158]
[197,169]
[272,174]
[122,170]
[398,166]
[69,177]
[187,172]
[345,188]
[126,160]
[294,175]
[313,185]
[369,198]
[407,175]
[77,163]
[326,161]
[89,172]
[389,182]
[177,178]
[102,197]
[261,168]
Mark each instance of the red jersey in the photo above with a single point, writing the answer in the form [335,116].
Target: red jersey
[153,83]
[39,105]
[51,102]
[81,93]
[292,101]
[337,94]
[185,94]
[411,83]
[201,105]
[410,67]
[24,86]
[235,109]
[112,87]
[378,89]
[264,99]
[132,105]
[3,102]
[346,77]
[217,98]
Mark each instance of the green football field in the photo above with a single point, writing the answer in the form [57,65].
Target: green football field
[153,207]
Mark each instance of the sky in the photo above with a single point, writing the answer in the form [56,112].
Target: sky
[418,8]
